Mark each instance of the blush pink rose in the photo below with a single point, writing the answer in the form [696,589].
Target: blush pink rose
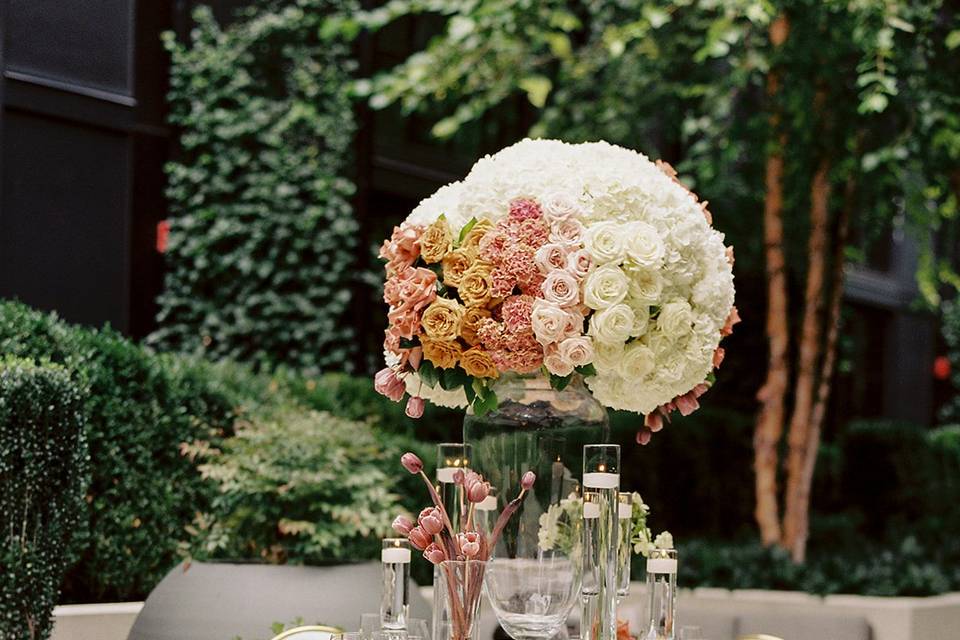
[551,256]
[561,288]
[568,231]
[579,263]
[402,249]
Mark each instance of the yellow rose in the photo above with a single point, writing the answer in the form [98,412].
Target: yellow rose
[444,354]
[471,322]
[472,239]
[436,241]
[475,285]
[478,363]
[442,319]
[455,263]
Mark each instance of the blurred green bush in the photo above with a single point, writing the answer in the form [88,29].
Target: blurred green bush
[138,412]
[950,326]
[43,469]
[262,234]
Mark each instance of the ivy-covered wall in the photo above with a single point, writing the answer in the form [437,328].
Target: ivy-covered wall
[261,247]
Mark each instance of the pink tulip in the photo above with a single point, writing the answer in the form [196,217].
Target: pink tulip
[419,538]
[653,422]
[414,407]
[434,553]
[388,384]
[644,435]
[411,462]
[431,521]
[478,491]
[402,525]
[687,403]
[414,357]
[527,480]
[469,543]
[458,477]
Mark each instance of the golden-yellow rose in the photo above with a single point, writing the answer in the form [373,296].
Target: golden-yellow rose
[472,239]
[444,354]
[478,363]
[436,241]
[455,263]
[442,319]
[475,285]
[471,322]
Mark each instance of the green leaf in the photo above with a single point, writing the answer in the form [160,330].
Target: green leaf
[560,382]
[428,373]
[466,229]
[485,402]
[409,343]
[537,89]
[953,39]
[587,370]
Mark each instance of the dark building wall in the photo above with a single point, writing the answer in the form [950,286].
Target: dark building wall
[82,144]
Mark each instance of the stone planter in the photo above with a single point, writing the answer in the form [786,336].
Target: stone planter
[108,621]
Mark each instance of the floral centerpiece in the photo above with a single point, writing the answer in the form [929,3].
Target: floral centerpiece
[569,259]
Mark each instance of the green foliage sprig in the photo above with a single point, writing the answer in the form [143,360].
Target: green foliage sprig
[262,236]
[44,473]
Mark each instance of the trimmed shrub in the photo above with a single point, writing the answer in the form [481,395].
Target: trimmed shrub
[139,409]
[262,235]
[43,472]
[951,336]
[299,486]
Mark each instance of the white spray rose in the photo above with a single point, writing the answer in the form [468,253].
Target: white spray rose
[559,207]
[646,285]
[644,246]
[605,287]
[605,242]
[613,324]
[676,319]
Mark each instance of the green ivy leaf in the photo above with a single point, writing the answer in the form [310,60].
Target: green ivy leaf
[587,370]
[560,382]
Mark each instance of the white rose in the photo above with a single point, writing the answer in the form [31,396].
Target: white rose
[646,285]
[551,256]
[641,318]
[560,207]
[676,319]
[605,242]
[644,245]
[578,351]
[605,287]
[637,361]
[549,321]
[556,363]
[579,263]
[613,324]
[671,369]
[569,232]
[561,288]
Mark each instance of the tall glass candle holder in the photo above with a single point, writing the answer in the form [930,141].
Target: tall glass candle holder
[451,457]
[590,585]
[601,476]
[662,592]
[394,603]
[625,522]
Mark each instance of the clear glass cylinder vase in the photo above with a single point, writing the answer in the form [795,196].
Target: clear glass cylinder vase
[458,593]
[535,567]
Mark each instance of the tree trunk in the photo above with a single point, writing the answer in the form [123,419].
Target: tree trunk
[800,440]
[769,426]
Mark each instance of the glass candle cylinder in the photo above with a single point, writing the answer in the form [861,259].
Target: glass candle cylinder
[394,603]
[625,521]
[590,585]
[662,593]
[601,476]
[451,457]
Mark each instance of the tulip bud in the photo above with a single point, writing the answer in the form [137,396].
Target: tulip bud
[458,477]
[469,543]
[402,525]
[434,553]
[527,480]
[411,462]
[478,491]
[431,521]
[419,538]
[644,435]
[415,407]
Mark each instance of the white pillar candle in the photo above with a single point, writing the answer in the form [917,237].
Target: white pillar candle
[625,510]
[601,480]
[591,510]
[445,474]
[487,504]
[395,555]
[662,565]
